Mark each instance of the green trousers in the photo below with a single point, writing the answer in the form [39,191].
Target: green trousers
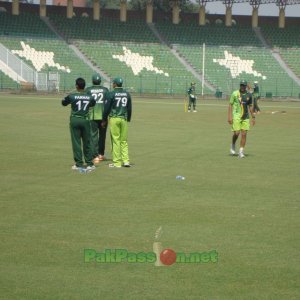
[98,136]
[192,101]
[119,133]
[80,136]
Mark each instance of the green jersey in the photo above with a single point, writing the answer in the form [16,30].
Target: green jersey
[99,94]
[240,104]
[118,105]
[191,92]
[80,104]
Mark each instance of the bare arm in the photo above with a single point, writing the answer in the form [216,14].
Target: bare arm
[252,115]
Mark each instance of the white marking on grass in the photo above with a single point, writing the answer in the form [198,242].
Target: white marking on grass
[158,233]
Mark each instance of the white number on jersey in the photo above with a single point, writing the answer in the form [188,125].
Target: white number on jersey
[121,101]
[98,97]
[78,103]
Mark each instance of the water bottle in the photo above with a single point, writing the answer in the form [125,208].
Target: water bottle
[179,177]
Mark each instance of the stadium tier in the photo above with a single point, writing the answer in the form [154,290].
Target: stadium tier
[25,24]
[282,37]
[52,55]
[216,35]
[131,50]
[225,66]
[146,68]
[287,43]
[6,82]
[106,29]
[292,57]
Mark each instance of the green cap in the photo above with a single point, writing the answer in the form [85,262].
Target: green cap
[96,78]
[193,83]
[243,82]
[118,81]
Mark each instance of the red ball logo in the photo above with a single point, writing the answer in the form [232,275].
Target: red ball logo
[168,257]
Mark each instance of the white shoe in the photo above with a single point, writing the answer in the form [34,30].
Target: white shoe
[194,111]
[114,166]
[232,150]
[189,111]
[127,165]
[90,168]
[75,168]
[241,155]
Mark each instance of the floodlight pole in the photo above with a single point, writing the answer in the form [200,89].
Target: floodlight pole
[203,68]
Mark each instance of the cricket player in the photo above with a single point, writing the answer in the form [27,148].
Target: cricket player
[256,97]
[98,133]
[240,106]
[118,108]
[192,97]
[80,125]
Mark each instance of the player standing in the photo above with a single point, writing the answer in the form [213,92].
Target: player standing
[192,97]
[240,104]
[118,108]
[98,133]
[80,125]
[256,97]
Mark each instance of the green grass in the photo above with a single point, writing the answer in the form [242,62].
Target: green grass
[247,210]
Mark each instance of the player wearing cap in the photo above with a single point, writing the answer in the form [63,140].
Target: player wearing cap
[80,125]
[98,133]
[118,109]
[192,97]
[240,106]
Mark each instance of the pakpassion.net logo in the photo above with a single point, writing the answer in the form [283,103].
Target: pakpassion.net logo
[165,257]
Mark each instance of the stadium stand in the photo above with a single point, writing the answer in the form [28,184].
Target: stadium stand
[132,51]
[50,55]
[193,34]
[282,37]
[287,43]
[25,24]
[251,63]
[292,58]
[6,82]
[146,68]
[105,29]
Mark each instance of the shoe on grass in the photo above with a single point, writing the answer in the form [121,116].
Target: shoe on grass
[90,168]
[113,166]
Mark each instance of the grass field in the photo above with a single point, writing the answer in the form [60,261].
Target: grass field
[245,209]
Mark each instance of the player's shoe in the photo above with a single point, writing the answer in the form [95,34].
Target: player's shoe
[241,154]
[189,110]
[90,168]
[113,166]
[127,165]
[101,157]
[194,110]
[75,168]
[232,150]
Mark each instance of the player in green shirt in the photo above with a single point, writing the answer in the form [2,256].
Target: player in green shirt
[118,108]
[80,124]
[256,97]
[192,97]
[98,133]
[240,105]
